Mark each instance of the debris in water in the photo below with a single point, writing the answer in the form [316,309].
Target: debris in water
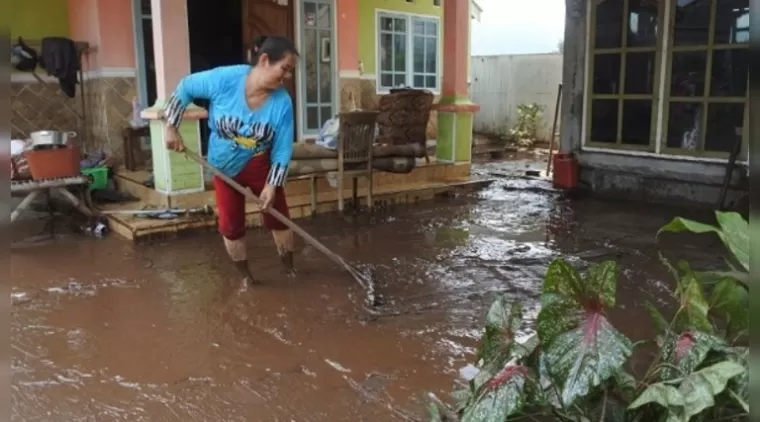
[337,366]
[306,371]
[469,372]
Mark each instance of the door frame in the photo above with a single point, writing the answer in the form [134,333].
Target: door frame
[300,77]
[141,71]
[289,5]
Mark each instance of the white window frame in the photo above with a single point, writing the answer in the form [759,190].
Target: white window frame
[410,18]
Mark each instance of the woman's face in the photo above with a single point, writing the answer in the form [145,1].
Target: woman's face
[274,74]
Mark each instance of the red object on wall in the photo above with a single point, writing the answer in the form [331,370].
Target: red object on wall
[53,163]
[565,171]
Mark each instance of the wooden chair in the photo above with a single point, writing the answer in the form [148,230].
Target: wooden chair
[355,139]
[134,157]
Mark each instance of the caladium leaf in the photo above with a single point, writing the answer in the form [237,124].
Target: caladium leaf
[730,301]
[695,393]
[581,349]
[502,322]
[434,411]
[625,383]
[663,394]
[740,384]
[694,306]
[657,319]
[502,397]
[686,352]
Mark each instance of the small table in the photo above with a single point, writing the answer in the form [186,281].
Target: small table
[32,189]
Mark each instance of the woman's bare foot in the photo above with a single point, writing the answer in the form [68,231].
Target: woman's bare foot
[287,261]
[245,273]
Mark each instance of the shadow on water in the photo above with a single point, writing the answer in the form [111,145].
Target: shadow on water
[103,330]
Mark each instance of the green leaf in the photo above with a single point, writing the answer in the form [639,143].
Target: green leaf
[581,349]
[735,235]
[740,384]
[693,304]
[561,286]
[739,400]
[502,397]
[680,225]
[434,412]
[601,281]
[462,397]
[525,348]
[687,352]
[663,394]
[700,388]
[733,232]
[658,320]
[625,381]
[712,278]
[730,301]
[502,322]
[695,393]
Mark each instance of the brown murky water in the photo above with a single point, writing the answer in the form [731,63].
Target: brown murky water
[106,331]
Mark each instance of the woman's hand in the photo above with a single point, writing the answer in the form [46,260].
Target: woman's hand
[173,140]
[267,197]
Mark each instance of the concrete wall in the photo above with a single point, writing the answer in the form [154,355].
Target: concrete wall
[500,83]
[659,179]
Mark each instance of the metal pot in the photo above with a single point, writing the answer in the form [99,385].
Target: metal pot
[51,137]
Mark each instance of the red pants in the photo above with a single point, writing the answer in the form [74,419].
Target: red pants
[231,204]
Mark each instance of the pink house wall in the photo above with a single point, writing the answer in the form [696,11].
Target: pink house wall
[348,34]
[116,33]
[107,26]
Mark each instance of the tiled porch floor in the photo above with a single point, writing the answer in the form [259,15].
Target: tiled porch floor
[422,184]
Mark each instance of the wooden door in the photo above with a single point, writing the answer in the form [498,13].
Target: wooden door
[269,17]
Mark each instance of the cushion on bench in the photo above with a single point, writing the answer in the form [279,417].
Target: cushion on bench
[308,151]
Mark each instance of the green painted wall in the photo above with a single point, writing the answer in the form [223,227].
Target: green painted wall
[35,19]
[368,24]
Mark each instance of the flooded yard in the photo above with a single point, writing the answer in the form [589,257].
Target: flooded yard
[102,330]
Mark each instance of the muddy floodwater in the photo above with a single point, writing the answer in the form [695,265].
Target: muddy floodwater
[106,331]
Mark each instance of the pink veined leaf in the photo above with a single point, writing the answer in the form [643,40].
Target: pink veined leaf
[684,344]
[505,375]
[582,348]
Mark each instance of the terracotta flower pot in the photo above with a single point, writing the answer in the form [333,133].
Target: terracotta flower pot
[52,163]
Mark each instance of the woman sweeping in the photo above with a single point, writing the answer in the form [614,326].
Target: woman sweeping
[251,139]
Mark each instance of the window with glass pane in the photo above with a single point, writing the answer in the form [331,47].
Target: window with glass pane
[623,73]
[425,53]
[709,66]
[408,50]
[392,51]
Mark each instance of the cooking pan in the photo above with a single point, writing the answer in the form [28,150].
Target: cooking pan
[51,137]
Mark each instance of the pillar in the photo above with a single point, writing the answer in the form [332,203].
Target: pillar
[573,76]
[455,109]
[173,173]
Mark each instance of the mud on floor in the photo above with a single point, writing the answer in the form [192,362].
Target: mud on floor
[106,331]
